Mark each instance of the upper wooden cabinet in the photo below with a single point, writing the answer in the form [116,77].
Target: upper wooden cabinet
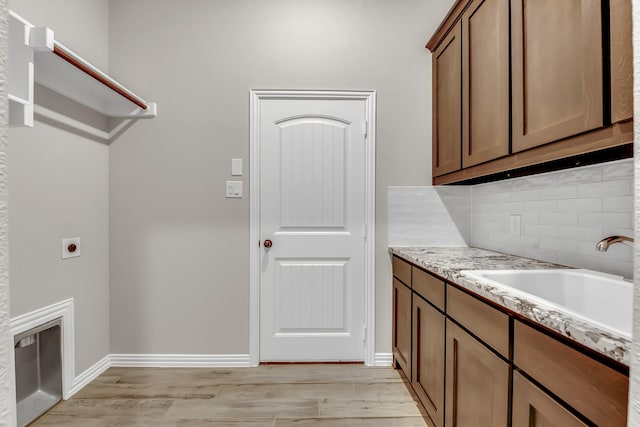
[556,70]
[621,61]
[447,104]
[538,81]
[485,81]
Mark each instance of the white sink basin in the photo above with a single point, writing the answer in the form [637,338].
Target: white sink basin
[597,297]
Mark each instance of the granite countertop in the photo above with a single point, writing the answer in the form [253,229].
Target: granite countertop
[448,262]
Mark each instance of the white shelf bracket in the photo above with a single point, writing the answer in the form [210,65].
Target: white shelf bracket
[41,39]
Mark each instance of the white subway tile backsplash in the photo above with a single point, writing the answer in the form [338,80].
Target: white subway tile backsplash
[540,230]
[541,254]
[558,244]
[417,216]
[593,204]
[593,234]
[618,169]
[565,214]
[559,218]
[617,204]
[580,261]
[541,206]
[620,268]
[530,217]
[539,181]
[619,187]
[560,192]
[525,195]
[580,175]
[613,219]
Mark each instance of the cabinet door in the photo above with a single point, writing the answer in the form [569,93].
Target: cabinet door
[485,81]
[534,408]
[428,358]
[477,383]
[621,61]
[447,107]
[402,326]
[557,70]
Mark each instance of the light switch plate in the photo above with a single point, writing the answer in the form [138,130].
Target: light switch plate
[234,190]
[70,247]
[236,167]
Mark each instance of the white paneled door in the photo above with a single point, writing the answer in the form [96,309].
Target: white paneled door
[312,227]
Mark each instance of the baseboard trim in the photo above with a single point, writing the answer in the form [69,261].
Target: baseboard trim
[176,361]
[383,359]
[89,375]
[180,360]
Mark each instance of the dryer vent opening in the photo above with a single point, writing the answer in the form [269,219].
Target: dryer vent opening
[38,356]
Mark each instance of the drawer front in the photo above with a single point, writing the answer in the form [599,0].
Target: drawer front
[401,270]
[484,321]
[428,287]
[593,389]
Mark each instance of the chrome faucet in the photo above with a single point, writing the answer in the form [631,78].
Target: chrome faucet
[604,244]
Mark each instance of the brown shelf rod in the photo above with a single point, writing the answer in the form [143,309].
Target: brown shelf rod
[71,59]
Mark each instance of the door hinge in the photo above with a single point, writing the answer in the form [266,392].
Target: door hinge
[364,333]
[365,231]
[365,129]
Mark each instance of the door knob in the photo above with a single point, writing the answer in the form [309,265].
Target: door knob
[268,244]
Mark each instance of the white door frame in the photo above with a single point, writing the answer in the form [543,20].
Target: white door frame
[254,209]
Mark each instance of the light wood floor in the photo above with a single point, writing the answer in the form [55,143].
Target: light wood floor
[266,396]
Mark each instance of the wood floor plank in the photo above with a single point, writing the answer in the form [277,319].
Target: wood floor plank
[149,391]
[359,422]
[334,408]
[242,409]
[287,391]
[265,396]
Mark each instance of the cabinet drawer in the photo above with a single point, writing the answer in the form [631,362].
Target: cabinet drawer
[428,287]
[601,395]
[401,270]
[484,321]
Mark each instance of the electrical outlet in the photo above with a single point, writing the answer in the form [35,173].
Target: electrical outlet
[515,225]
[70,247]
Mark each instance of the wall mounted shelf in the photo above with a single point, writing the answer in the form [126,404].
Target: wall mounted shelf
[36,57]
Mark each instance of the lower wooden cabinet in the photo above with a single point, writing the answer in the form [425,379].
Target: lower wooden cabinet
[428,358]
[532,407]
[472,364]
[402,326]
[477,382]
[593,389]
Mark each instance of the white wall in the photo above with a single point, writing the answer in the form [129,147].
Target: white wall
[58,187]
[179,249]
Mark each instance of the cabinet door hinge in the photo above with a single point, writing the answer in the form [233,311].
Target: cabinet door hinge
[365,129]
